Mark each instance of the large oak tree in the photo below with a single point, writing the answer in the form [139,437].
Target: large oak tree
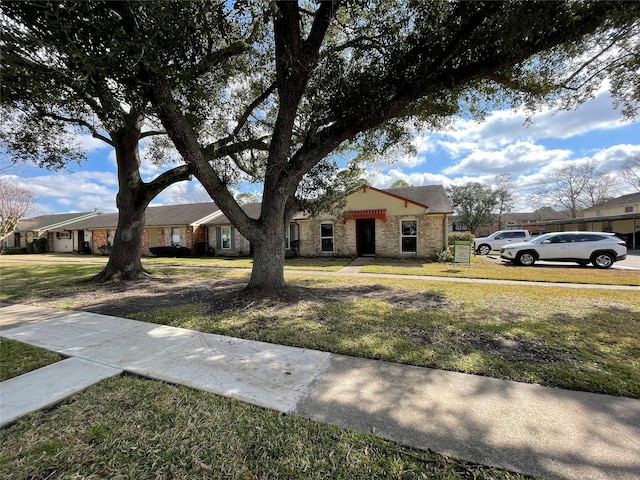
[272,92]
[66,71]
[340,75]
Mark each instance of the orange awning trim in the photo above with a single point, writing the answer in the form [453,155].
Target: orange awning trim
[360,214]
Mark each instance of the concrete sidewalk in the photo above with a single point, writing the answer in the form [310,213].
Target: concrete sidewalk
[551,433]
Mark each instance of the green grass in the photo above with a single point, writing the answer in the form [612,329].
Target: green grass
[487,268]
[17,358]
[132,428]
[577,339]
[126,427]
[23,281]
[581,339]
[480,267]
[318,264]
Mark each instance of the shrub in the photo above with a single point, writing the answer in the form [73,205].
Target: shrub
[15,250]
[460,236]
[445,256]
[105,249]
[170,251]
[39,245]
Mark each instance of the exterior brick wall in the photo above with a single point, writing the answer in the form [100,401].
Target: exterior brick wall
[431,237]
[240,245]
[162,241]
[145,242]
[99,239]
[200,234]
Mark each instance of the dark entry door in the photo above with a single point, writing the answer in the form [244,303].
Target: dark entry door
[366,236]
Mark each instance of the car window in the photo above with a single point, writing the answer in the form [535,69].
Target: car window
[499,237]
[518,235]
[541,238]
[561,239]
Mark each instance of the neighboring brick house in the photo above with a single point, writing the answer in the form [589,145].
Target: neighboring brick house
[169,225]
[395,222]
[53,227]
[392,222]
[225,239]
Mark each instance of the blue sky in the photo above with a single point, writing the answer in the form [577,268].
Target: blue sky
[467,151]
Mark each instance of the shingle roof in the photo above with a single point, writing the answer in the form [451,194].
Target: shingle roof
[162,216]
[41,222]
[106,220]
[251,209]
[622,200]
[179,214]
[433,196]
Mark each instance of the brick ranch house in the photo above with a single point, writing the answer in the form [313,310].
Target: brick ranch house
[394,222]
[51,227]
[165,226]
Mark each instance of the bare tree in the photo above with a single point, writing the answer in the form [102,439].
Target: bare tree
[578,186]
[15,203]
[504,189]
[631,172]
[184,194]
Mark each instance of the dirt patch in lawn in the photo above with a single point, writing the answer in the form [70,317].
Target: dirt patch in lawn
[224,295]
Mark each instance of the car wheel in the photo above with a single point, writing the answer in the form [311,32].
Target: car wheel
[525,259]
[603,260]
[484,249]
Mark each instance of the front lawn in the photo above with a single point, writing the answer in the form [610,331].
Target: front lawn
[133,428]
[583,339]
[17,358]
[490,268]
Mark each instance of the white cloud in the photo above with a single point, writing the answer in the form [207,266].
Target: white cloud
[69,192]
[613,157]
[90,144]
[384,180]
[518,157]
[502,127]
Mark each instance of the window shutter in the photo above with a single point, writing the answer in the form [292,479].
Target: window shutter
[233,238]
[218,238]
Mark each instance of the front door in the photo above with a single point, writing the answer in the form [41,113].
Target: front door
[366,236]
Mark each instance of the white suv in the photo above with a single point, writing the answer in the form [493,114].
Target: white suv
[497,240]
[599,248]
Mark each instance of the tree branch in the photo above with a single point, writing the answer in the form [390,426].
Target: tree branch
[162,181]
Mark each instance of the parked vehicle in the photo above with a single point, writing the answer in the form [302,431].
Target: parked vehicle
[599,248]
[497,240]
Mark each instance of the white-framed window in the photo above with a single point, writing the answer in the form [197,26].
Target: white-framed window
[177,236]
[326,237]
[225,238]
[409,236]
[628,209]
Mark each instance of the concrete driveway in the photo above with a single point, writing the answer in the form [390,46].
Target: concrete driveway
[632,261]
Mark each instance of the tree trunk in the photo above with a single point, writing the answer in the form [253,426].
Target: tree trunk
[267,273]
[132,200]
[125,257]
